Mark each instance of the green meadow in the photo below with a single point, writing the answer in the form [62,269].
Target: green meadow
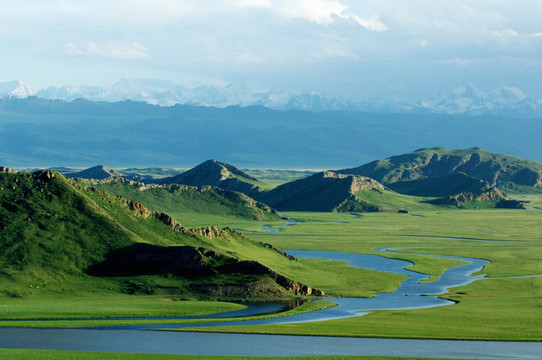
[504,306]
[500,307]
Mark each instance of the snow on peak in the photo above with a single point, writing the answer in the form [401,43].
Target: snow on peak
[466,99]
[16,89]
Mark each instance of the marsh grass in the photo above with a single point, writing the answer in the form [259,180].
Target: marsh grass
[493,309]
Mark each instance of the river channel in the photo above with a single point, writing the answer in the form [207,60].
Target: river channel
[411,294]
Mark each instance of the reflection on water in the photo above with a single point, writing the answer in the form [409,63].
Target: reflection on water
[289,223]
[270,229]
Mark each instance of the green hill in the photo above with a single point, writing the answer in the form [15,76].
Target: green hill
[508,173]
[330,191]
[219,174]
[61,237]
[323,191]
[96,172]
[181,201]
[441,186]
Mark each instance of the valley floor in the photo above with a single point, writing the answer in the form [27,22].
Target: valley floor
[504,306]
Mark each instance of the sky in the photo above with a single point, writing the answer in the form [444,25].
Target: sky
[409,49]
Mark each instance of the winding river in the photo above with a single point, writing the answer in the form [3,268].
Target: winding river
[411,294]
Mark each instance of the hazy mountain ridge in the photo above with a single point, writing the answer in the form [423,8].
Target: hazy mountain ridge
[467,99]
[51,133]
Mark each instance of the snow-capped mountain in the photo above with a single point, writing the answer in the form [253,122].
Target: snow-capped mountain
[16,89]
[466,99]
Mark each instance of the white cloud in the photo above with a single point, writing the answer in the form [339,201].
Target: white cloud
[129,51]
[373,23]
[458,61]
[318,11]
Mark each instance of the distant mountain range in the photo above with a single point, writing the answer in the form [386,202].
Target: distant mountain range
[467,99]
[53,133]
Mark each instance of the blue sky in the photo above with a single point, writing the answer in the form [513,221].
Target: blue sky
[363,49]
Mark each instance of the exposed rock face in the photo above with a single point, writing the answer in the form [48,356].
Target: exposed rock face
[456,200]
[269,246]
[44,175]
[5,169]
[294,287]
[264,288]
[238,203]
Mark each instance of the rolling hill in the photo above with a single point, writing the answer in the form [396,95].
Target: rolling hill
[68,238]
[323,191]
[219,174]
[97,172]
[180,200]
[408,172]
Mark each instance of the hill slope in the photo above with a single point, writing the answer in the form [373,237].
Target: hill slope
[97,172]
[219,174]
[505,172]
[178,200]
[66,237]
[323,191]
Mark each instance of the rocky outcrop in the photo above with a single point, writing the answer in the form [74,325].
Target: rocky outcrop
[269,246]
[44,175]
[219,200]
[292,286]
[209,232]
[5,169]
[262,289]
[457,200]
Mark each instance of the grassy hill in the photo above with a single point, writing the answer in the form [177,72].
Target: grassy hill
[406,171]
[181,201]
[219,174]
[330,191]
[323,191]
[441,186]
[96,172]
[58,236]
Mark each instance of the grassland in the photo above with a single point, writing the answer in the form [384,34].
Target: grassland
[276,177]
[91,312]
[502,307]
[103,305]
[499,308]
